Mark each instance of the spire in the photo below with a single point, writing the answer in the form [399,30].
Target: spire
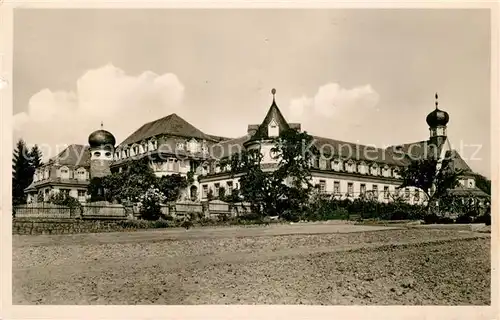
[437,103]
[102,124]
[273,92]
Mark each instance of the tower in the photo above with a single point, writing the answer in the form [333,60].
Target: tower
[262,135]
[437,121]
[102,147]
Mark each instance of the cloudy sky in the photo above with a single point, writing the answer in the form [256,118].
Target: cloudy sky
[366,76]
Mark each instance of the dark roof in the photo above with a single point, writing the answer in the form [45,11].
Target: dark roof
[458,162]
[226,148]
[218,138]
[349,150]
[463,192]
[417,150]
[74,155]
[437,118]
[273,113]
[171,124]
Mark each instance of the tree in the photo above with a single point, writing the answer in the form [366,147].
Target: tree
[35,156]
[285,189]
[171,186]
[433,176]
[22,172]
[483,183]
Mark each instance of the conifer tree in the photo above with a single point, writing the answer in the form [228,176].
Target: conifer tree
[22,172]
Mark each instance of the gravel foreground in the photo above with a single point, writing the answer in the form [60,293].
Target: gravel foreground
[388,267]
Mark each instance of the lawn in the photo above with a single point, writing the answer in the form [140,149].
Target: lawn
[329,265]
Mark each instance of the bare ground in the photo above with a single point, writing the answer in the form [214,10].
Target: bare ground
[308,264]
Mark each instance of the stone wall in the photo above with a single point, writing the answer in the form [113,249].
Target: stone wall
[33,226]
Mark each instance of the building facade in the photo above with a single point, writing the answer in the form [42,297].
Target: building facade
[174,146]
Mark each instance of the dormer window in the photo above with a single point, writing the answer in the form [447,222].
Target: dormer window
[471,183]
[179,146]
[273,129]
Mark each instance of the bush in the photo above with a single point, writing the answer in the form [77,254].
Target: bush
[150,204]
[485,218]
[187,224]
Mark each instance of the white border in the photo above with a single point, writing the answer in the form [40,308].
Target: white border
[233,311]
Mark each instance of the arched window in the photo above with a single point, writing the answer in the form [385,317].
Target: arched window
[374,169]
[46,173]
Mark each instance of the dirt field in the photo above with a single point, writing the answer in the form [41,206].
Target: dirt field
[304,264]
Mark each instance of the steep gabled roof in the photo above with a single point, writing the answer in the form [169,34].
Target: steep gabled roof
[171,124]
[458,162]
[74,155]
[275,114]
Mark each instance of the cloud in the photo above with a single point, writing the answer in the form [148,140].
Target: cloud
[123,102]
[335,111]
[332,99]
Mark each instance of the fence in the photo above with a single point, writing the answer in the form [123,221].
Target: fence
[106,211]
[87,211]
[43,210]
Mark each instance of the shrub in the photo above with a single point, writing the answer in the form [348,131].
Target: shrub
[187,224]
[484,218]
[150,204]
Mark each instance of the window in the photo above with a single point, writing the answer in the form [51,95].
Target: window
[117,155]
[471,183]
[81,174]
[374,170]
[362,188]
[396,173]
[170,165]
[386,192]
[350,188]
[64,172]
[217,189]
[417,195]
[322,164]
[65,191]
[193,146]
[230,187]
[407,193]
[375,190]
[362,168]
[108,154]
[82,193]
[273,129]
[97,154]
[386,172]
[322,186]
[336,165]
[336,187]
[179,146]
[204,189]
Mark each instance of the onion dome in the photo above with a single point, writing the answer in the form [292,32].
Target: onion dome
[437,117]
[101,138]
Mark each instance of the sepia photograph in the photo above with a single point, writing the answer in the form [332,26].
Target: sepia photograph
[266,156]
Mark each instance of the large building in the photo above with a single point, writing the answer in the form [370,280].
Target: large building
[174,146]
